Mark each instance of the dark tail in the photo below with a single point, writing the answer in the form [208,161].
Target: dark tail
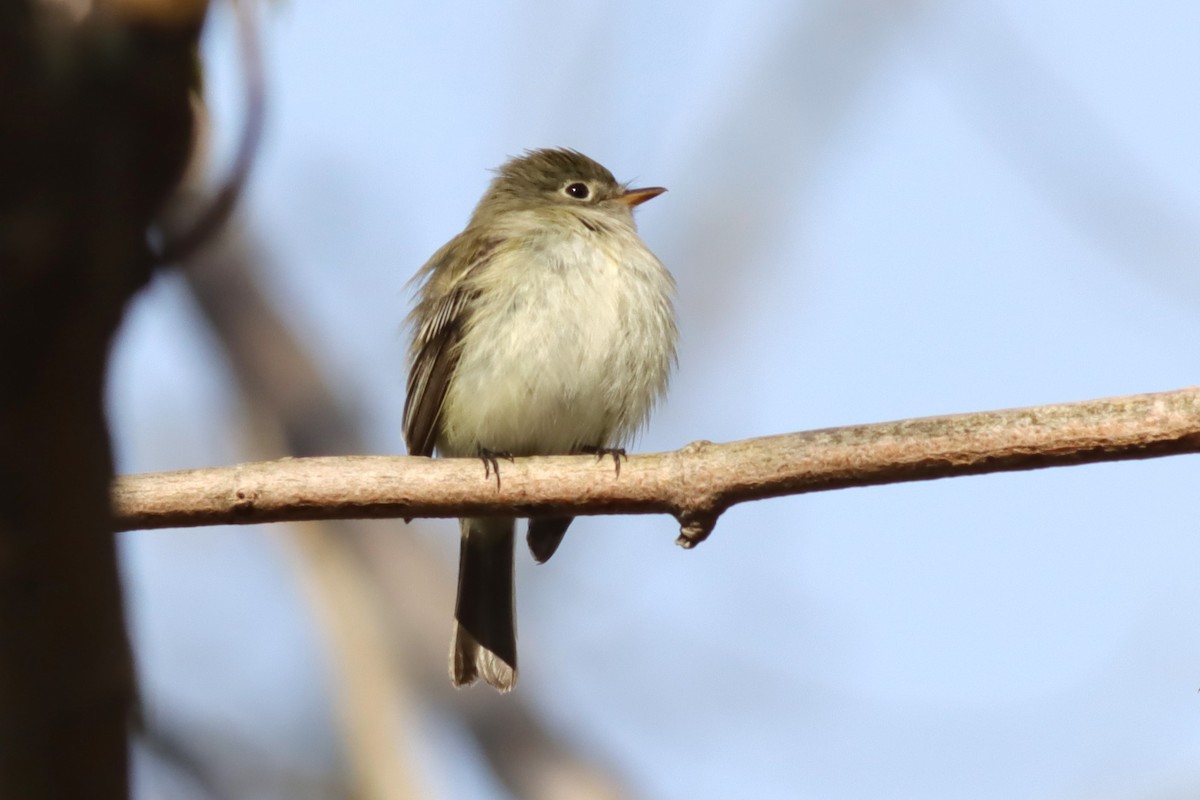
[485,636]
[545,535]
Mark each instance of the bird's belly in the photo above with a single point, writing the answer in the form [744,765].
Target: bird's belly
[560,363]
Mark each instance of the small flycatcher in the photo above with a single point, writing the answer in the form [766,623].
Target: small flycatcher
[544,328]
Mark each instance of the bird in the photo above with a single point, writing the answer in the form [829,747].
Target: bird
[546,327]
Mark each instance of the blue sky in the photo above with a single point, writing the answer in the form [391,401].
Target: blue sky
[876,211]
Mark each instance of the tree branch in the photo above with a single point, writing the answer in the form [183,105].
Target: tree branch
[696,483]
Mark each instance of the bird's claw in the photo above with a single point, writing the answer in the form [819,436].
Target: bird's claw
[617,454]
[491,462]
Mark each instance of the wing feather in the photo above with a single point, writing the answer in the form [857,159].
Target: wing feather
[442,312]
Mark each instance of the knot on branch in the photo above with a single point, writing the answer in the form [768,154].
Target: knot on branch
[695,526]
[698,507]
[696,447]
[244,501]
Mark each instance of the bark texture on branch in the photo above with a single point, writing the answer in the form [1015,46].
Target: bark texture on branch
[696,483]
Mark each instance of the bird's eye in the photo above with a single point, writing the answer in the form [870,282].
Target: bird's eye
[579,191]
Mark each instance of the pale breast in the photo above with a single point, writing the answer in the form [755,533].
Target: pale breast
[572,348]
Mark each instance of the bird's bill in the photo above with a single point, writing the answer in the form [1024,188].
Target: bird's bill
[635,197]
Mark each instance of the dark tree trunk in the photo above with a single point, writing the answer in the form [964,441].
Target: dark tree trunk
[94,132]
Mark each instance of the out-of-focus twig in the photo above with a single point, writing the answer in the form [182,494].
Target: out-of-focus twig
[1067,151]
[373,702]
[766,140]
[182,240]
[375,705]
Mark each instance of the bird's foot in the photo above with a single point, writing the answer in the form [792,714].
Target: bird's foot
[491,462]
[617,454]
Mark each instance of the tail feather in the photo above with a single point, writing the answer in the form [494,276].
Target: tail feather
[545,535]
[484,643]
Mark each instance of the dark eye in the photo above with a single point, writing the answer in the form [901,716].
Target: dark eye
[579,191]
